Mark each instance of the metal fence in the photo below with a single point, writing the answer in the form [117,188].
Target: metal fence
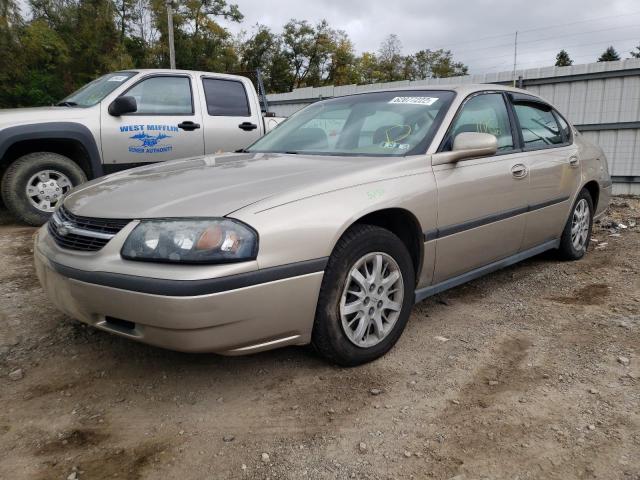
[601,99]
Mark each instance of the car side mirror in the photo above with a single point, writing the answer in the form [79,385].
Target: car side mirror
[468,145]
[123,105]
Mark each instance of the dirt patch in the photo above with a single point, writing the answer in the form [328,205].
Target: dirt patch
[587,295]
[123,463]
[71,440]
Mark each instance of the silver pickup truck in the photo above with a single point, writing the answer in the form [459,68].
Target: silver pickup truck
[122,120]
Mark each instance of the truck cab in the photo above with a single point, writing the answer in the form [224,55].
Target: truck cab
[122,120]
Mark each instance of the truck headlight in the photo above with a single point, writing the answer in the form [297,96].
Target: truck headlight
[201,241]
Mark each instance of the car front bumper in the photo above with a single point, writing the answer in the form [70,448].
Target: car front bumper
[237,320]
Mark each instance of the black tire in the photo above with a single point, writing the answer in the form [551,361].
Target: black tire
[328,337]
[567,249]
[15,179]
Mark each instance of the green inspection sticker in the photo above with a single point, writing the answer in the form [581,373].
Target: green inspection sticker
[375,194]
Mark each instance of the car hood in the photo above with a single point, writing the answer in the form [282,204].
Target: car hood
[21,116]
[215,186]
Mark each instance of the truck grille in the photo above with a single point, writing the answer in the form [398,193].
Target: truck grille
[83,233]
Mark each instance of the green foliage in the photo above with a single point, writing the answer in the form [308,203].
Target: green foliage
[636,52]
[63,44]
[609,55]
[563,59]
[390,61]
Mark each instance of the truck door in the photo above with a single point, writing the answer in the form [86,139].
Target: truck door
[166,126]
[232,118]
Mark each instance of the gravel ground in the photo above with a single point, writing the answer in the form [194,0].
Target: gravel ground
[529,373]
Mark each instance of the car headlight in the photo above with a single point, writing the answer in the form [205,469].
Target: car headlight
[203,241]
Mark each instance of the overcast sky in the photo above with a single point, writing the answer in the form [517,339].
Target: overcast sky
[463,26]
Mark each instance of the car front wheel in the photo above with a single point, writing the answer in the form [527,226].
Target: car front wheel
[366,296]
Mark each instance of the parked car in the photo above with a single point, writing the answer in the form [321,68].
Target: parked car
[328,229]
[121,120]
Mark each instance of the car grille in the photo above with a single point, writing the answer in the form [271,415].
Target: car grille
[83,233]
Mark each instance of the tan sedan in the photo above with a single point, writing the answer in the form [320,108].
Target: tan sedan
[328,229]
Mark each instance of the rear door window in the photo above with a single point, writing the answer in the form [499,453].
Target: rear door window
[538,125]
[226,98]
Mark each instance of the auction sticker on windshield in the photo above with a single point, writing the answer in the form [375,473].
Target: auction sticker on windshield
[118,78]
[426,101]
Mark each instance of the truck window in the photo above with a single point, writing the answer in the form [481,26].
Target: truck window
[163,96]
[226,98]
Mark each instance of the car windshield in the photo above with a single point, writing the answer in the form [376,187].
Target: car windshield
[393,124]
[95,91]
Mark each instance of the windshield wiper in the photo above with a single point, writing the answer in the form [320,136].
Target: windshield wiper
[66,104]
[291,152]
[242,150]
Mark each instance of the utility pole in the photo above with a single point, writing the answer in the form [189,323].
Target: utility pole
[172,51]
[515,58]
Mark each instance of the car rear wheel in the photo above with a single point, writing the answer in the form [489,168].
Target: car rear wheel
[366,296]
[35,184]
[577,231]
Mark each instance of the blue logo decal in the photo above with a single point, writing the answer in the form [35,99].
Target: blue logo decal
[150,137]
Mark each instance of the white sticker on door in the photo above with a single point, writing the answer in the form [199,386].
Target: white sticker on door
[426,101]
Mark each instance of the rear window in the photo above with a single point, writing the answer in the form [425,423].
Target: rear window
[226,98]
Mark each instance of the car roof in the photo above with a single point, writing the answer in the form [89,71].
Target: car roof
[465,88]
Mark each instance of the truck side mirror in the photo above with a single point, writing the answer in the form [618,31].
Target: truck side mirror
[123,105]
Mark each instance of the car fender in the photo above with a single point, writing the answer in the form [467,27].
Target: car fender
[310,228]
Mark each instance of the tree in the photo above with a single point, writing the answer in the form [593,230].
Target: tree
[264,51]
[367,68]
[563,59]
[438,64]
[636,52]
[390,59]
[342,69]
[11,24]
[298,37]
[126,15]
[609,55]
[309,50]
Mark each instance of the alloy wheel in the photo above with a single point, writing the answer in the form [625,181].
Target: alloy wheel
[580,225]
[372,299]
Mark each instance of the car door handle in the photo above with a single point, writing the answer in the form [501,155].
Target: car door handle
[247,126]
[574,161]
[519,171]
[189,126]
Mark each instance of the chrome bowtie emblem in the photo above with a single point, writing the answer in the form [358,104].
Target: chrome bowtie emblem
[64,228]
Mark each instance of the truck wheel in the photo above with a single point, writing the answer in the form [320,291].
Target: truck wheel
[35,184]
